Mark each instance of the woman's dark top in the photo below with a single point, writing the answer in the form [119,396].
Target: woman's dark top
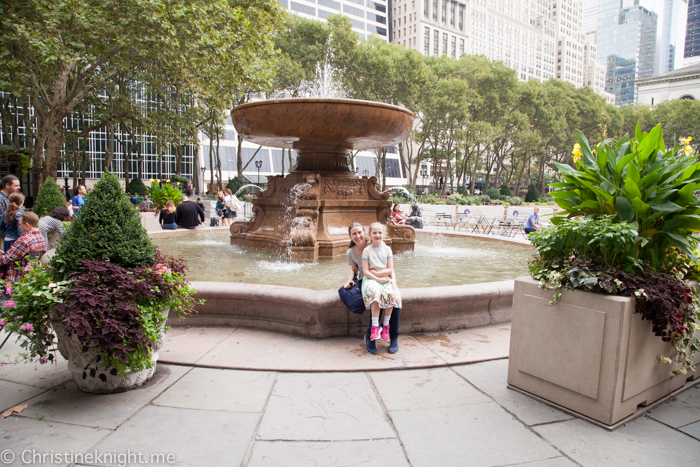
[167,217]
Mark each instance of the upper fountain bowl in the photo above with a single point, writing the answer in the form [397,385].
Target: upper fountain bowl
[318,124]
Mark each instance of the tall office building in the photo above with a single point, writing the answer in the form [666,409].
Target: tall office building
[626,41]
[692,35]
[670,32]
[366,16]
[517,32]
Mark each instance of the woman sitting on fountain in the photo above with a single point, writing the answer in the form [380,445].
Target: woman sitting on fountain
[397,215]
[351,292]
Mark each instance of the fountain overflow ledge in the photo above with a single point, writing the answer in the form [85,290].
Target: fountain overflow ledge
[320,313]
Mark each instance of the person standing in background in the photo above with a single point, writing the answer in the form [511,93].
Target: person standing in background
[78,200]
[8,185]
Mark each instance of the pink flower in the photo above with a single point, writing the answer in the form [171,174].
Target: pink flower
[27,327]
[2,321]
[9,304]
[8,290]
[43,360]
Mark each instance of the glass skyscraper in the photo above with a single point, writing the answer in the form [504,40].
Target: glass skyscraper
[692,35]
[626,40]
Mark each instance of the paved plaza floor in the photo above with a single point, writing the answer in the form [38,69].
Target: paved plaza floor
[236,397]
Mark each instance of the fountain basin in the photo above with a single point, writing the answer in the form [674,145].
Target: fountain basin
[304,214]
[321,314]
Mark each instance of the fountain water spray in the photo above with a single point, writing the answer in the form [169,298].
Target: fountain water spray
[246,186]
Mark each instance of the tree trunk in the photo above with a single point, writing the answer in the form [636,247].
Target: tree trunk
[218,164]
[109,149]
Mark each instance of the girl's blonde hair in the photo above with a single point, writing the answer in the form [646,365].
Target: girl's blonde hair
[170,206]
[228,191]
[16,202]
[377,225]
[220,195]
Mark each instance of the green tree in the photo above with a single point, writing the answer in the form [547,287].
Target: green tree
[49,198]
[533,195]
[136,187]
[62,52]
[108,227]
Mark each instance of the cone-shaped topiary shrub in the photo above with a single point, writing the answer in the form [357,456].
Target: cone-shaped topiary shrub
[532,195]
[108,227]
[136,187]
[49,198]
[505,191]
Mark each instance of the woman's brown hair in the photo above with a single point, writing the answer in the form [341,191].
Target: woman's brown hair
[352,226]
[16,202]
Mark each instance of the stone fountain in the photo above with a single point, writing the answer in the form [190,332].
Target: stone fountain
[306,214]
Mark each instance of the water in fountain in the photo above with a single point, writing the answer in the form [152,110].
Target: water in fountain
[297,223]
[246,186]
[326,83]
[407,194]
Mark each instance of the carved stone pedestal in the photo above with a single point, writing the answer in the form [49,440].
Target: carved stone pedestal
[304,216]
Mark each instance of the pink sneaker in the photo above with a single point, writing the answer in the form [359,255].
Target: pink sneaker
[374,334]
[385,333]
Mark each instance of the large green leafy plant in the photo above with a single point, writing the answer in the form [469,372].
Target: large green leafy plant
[636,181]
[629,216]
[160,193]
[106,284]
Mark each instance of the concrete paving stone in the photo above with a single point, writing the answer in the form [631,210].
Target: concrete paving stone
[222,390]
[475,435]
[12,394]
[31,437]
[470,345]
[690,396]
[693,430]
[675,413]
[31,374]
[642,442]
[190,437]
[186,345]
[555,462]
[69,405]
[293,353]
[492,378]
[323,407]
[380,453]
[423,389]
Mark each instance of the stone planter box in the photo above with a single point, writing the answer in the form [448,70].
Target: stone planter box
[149,221]
[589,353]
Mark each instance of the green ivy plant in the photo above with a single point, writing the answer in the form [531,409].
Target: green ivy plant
[636,181]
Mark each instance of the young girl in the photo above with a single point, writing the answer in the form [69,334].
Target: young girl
[11,219]
[379,289]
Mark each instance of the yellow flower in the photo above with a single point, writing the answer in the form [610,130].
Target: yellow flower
[686,141]
[167,181]
[151,180]
[577,152]
[688,149]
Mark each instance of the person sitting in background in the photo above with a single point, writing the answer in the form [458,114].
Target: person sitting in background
[29,245]
[147,203]
[189,215]
[168,216]
[78,200]
[53,222]
[397,215]
[200,204]
[533,222]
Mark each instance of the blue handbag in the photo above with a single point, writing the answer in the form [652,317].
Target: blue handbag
[352,297]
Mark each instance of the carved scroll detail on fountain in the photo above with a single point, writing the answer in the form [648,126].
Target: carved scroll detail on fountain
[239,228]
[405,232]
[372,189]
